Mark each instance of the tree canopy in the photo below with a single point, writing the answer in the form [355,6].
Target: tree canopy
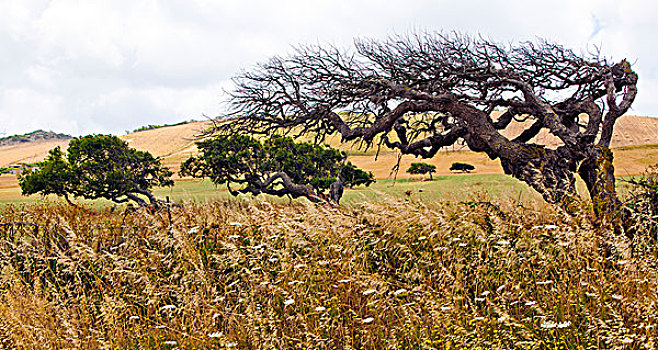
[418,93]
[421,168]
[98,166]
[277,166]
[457,166]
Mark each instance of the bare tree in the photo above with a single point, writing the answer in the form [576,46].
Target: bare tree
[419,93]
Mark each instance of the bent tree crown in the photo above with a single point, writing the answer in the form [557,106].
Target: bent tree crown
[418,93]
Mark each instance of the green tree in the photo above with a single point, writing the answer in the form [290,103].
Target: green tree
[98,166]
[422,168]
[54,176]
[276,166]
[465,167]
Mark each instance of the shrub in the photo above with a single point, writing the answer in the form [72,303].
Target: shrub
[422,168]
[463,167]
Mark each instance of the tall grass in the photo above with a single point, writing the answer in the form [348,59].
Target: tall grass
[248,274]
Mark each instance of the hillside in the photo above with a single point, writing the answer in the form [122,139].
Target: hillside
[173,143]
[176,143]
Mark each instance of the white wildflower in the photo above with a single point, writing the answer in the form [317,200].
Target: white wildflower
[193,230]
[479,300]
[478,318]
[289,302]
[422,238]
[584,284]
[233,236]
[170,343]
[369,291]
[503,242]
[543,283]
[501,288]
[345,281]
[236,224]
[233,283]
[616,296]
[622,262]
[368,320]
[530,303]
[299,266]
[550,227]
[502,319]
[231,345]
[133,318]
[564,324]
[168,308]
[400,292]
[485,293]
[548,324]
[446,308]
[320,308]
[462,244]
[627,340]
[215,335]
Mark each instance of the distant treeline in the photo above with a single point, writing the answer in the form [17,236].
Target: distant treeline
[153,126]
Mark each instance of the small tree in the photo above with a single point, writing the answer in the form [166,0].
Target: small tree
[276,166]
[98,166]
[54,176]
[422,168]
[464,167]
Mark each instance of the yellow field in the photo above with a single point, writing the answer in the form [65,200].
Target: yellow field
[635,146]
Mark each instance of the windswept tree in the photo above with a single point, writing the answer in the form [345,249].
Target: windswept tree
[275,166]
[419,93]
[98,166]
[463,167]
[54,176]
[422,168]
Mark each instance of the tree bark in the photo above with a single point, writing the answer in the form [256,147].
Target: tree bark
[598,173]
[336,190]
[549,172]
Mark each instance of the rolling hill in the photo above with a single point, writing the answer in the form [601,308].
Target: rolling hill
[635,144]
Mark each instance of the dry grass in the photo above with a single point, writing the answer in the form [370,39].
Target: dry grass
[256,275]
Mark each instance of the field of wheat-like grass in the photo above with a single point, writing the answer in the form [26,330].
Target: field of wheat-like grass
[250,274]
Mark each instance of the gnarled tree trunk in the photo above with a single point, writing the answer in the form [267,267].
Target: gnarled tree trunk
[549,172]
[432,90]
[598,173]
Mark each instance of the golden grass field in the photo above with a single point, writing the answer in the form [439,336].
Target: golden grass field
[468,261]
[387,274]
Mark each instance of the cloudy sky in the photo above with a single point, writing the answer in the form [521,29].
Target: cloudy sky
[89,66]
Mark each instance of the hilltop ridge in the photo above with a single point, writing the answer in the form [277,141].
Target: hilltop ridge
[34,136]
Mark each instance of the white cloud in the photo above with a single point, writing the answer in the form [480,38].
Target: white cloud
[26,109]
[107,66]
